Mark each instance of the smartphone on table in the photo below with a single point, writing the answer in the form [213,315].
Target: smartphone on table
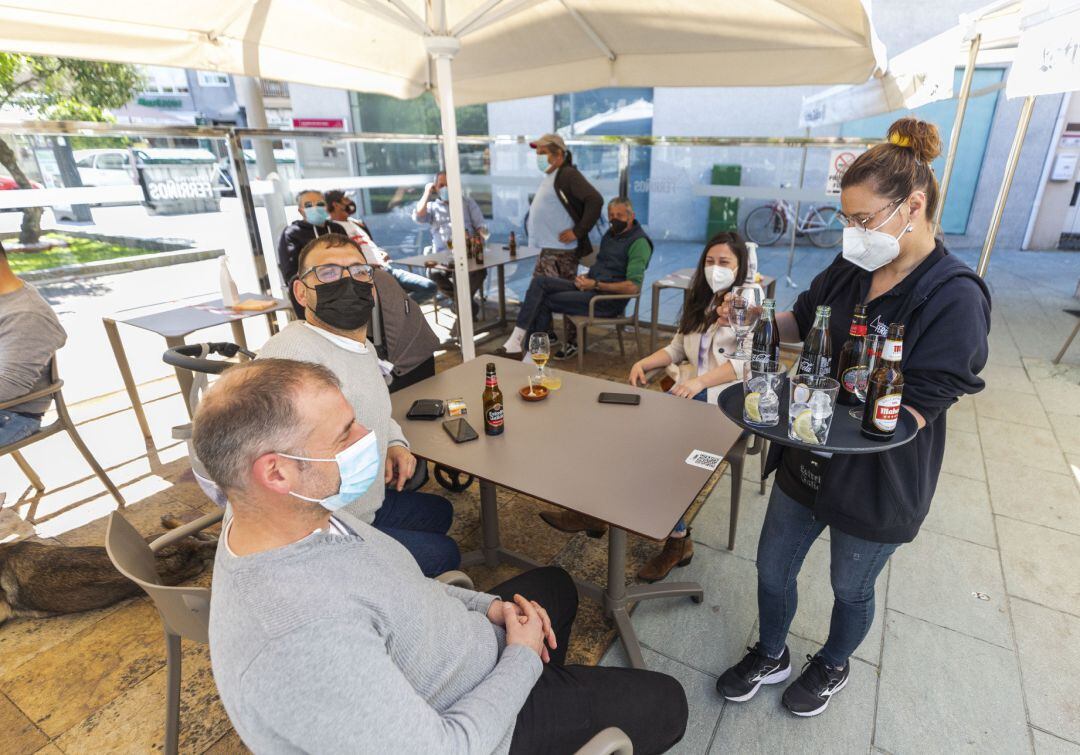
[459,430]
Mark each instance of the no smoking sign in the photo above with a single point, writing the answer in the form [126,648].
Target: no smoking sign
[839,160]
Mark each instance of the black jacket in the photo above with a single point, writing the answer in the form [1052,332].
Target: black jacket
[885,497]
[581,200]
[294,238]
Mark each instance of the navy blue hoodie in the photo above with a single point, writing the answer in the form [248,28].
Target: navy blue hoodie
[946,315]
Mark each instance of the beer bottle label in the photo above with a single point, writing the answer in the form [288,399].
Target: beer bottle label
[893,350]
[495,415]
[887,412]
[851,376]
[857,329]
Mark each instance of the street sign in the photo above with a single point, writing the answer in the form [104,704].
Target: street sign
[839,160]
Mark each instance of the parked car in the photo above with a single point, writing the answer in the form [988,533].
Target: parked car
[104,167]
[8,184]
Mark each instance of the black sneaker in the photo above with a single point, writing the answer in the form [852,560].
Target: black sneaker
[566,351]
[810,694]
[742,681]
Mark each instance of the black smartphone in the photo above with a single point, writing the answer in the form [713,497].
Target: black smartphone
[629,399]
[426,408]
[460,430]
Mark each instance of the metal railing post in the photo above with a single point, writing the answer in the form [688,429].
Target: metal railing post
[958,123]
[795,221]
[247,203]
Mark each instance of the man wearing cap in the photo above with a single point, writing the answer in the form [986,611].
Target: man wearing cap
[563,211]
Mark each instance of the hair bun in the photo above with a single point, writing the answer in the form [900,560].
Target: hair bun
[921,137]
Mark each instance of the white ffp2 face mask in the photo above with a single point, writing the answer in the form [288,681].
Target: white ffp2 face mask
[719,278]
[871,248]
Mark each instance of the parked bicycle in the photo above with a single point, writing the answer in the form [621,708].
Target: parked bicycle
[820,225]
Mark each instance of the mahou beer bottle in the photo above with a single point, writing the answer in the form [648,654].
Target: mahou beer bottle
[845,369]
[816,356]
[884,387]
[512,246]
[766,346]
[479,256]
[493,403]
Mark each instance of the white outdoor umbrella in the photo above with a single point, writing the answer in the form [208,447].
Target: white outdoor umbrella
[500,49]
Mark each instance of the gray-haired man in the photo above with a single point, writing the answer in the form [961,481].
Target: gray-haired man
[325,636]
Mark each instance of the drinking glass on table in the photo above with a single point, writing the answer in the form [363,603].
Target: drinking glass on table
[865,361]
[540,352]
[762,383]
[810,409]
[745,311]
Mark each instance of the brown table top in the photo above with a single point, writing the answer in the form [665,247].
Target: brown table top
[495,255]
[181,321]
[625,465]
[682,278]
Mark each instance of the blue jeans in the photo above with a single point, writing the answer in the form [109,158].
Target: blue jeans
[547,295]
[419,286]
[420,521]
[15,427]
[680,527]
[786,535]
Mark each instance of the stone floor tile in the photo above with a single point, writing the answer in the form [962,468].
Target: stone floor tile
[13,527]
[1035,496]
[1048,744]
[918,586]
[1049,646]
[49,749]
[962,415]
[1011,406]
[1008,441]
[63,685]
[711,635]
[961,508]
[135,721]
[521,529]
[22,639]
[1059,395]
[144,515]
[1067,429]
[230,744]
[762,725]
[21,737]
[925,704]
[1040,564]
[963,455]
[703,701]
[1009,378]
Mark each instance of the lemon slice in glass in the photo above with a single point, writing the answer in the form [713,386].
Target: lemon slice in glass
[753,411]
[804,428]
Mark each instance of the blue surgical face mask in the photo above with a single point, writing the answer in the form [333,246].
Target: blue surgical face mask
[444,194]
[542,162]
[316,215]
[358,465]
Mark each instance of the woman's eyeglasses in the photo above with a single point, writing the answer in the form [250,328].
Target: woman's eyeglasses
[862,221]
[330,272]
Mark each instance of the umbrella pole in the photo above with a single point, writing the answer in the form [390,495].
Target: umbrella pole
[442,51]
[958,123]
[795,221]
[1006,184]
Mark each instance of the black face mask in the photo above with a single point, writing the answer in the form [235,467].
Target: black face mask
[345,304]
[350,208]
[617,227]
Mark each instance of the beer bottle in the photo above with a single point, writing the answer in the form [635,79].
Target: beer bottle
[479,249]
[816,356]
[493,403]
[766,346]
[846,369]
[512,246]
[884,387]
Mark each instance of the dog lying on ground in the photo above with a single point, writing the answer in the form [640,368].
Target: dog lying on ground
[39,579]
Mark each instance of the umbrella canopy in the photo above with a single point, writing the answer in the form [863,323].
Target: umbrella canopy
[509,48]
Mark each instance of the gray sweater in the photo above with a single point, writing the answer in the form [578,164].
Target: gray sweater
[339,644]
[30,334]
[361,382]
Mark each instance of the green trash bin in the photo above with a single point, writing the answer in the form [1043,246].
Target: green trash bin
[723,211]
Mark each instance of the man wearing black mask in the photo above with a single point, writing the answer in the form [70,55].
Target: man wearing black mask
[334,286]
[619,269]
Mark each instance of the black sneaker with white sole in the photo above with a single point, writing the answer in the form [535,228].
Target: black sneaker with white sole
[810,694]
[566,351]
[742,681]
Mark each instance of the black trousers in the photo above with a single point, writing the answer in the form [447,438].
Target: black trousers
[569,705]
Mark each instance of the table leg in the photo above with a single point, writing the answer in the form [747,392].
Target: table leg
[491,552]
[655,317]
[502,295]
[618,596]
[238,333]
[125,373]
[182,376]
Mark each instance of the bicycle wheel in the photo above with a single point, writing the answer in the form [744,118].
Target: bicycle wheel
[764,226]
[823,227]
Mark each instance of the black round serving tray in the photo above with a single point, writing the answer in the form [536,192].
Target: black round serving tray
[844,435]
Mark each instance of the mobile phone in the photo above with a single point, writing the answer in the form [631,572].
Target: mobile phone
[426,408]
[460,430]
[630,399]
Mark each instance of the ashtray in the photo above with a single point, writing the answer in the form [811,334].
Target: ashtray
[533,393]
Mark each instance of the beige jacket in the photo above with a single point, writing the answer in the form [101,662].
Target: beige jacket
[684,349]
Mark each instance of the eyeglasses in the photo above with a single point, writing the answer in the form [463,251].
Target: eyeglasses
[320,203]
[864,221]
[330,272]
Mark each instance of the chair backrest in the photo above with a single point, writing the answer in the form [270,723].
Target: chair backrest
[185,611]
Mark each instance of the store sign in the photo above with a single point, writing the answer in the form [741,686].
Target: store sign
[177,187]
[839,160]
[318,123]
[163,102]
[1048,54]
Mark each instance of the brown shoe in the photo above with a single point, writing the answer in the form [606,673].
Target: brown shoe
[571,521]
[678,551]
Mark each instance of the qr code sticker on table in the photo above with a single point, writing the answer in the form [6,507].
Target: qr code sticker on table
[704,460]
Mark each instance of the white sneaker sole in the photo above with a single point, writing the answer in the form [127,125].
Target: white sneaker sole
[774,678]
[819,711]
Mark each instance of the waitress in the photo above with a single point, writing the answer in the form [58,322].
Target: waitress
[893,262]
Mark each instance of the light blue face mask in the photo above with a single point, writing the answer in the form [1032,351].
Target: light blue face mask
[444,194]
[316,215]
[542,162]
[358,465]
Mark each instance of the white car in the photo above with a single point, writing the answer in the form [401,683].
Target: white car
[104,167]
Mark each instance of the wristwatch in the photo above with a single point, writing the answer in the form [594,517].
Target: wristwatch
[596,285]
